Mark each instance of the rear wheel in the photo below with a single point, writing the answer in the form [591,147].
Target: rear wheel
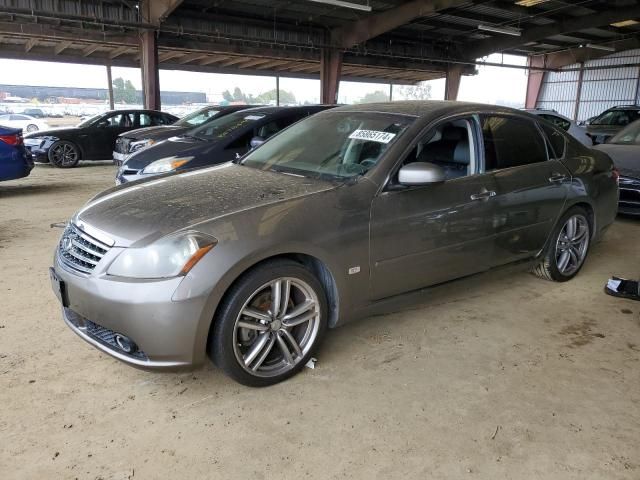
[64,154]
[568,247]
[32,128]
[269,324]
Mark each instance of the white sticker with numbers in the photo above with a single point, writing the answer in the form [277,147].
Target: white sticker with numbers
[372,136]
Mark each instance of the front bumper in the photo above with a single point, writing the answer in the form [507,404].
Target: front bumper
[163,319]
[629,202]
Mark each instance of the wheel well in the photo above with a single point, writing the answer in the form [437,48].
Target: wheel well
[591,216]
[317,267]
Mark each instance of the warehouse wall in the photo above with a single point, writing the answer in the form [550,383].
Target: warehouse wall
[601,88]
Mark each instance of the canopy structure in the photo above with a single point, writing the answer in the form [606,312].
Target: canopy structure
[389,41]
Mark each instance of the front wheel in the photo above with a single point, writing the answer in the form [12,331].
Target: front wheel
[64,154]
[32,128]
[568,247]
[269,324]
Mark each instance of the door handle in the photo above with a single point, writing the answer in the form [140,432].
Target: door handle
[483,195]
[557,178]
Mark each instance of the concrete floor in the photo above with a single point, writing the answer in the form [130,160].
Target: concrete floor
[501,376]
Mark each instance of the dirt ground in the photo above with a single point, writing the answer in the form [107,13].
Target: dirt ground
[503,376]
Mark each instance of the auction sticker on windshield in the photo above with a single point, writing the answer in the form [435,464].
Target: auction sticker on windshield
[372,136]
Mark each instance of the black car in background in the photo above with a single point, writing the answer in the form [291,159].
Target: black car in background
[624,150]
[135,140]
[610,122]
[92,139]
[217,141]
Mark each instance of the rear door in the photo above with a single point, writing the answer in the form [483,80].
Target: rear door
[531,184]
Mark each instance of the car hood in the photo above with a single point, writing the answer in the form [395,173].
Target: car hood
[604,129]
[159,132]
[140,213]
[172,147]
[52,132]
[625,158]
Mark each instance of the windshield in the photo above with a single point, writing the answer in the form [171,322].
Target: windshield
[196,118]
[618,118]
[223,126]
[628,136]
[333,144]
[90,120]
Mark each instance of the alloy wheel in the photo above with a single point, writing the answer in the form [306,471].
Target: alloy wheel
[64,154]
[276,327]
[572,245]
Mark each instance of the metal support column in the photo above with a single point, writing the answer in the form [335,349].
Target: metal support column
[534,80]
[452,85]
[391,92]
[277,90]
[330,68]
[110,87]
[149,66]
[576,109]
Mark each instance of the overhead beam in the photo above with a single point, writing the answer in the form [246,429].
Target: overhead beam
[88,50]
[32,42]
[61,47]
[371,26]
[570,25]
[157,11]
[118,51]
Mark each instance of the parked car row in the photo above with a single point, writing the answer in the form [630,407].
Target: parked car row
[332,213]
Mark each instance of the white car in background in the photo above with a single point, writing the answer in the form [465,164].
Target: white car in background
[566,124]
[27,123]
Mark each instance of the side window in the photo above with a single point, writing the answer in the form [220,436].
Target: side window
[242,142]
[450,146]
[124,120]
[268,129]
[558,121]
[511,142]
[145,120]
[556,140]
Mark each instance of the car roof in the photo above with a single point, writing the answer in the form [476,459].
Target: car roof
[421,108]
[270,110]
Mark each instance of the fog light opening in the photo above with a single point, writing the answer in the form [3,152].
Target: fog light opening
[125,344]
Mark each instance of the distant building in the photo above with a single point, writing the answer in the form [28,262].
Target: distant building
[90,95]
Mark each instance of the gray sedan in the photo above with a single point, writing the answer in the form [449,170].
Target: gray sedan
[251,261]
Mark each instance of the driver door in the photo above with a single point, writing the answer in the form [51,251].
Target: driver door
[425,235]
[103,136]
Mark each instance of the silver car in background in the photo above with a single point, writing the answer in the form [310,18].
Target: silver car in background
[566,124]
[251,261]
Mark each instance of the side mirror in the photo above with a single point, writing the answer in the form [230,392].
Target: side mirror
[256,142]
[102,124]
[421,173]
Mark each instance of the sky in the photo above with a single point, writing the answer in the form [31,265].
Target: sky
[505,86]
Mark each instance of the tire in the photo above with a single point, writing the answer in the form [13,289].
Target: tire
[566,252]
[64,154]
[32,128]
[251,348]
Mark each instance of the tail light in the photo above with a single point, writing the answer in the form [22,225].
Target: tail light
[13,139]
[616,175]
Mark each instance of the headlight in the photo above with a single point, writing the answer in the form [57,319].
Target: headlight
[140,144]
[168,257]
[165,165]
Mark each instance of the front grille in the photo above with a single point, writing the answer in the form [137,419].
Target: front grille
[80,251]
[108,337]
[122,145]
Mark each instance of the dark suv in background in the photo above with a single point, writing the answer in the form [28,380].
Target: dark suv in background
[135,140]
[92,139]
[610,122]
[218,141]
